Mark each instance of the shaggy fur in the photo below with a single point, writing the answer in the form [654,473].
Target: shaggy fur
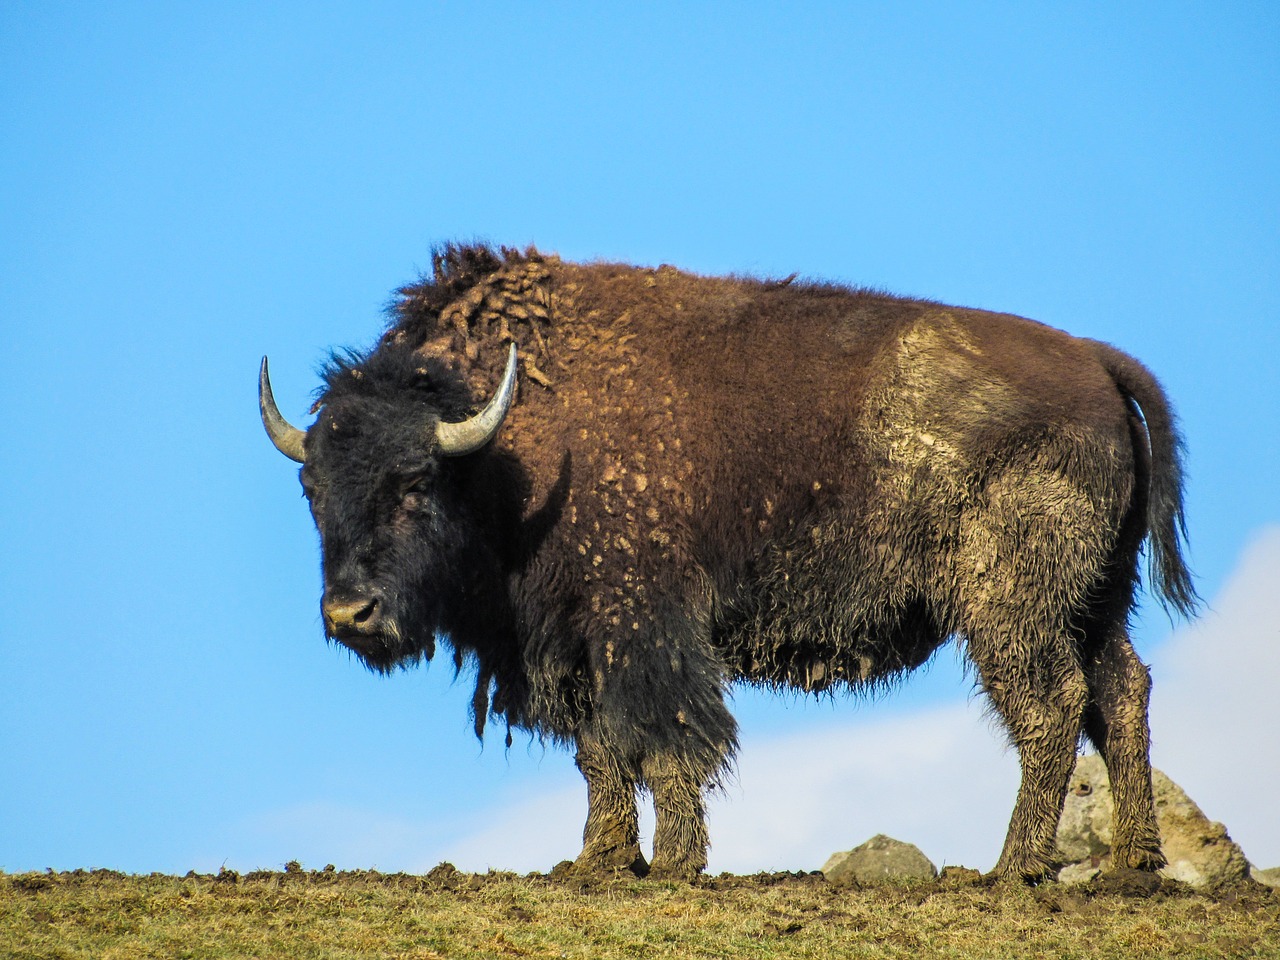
[707,480]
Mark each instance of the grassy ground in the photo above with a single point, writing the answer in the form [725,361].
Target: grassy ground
[328,914]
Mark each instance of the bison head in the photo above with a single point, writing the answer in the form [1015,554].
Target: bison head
[382,469]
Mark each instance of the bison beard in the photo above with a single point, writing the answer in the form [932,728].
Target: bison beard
[708,480]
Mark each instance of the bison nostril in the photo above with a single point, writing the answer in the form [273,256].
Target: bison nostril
[351,615]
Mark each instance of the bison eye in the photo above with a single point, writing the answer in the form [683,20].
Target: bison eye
[413,493]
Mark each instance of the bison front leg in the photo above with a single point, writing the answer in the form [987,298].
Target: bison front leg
[680,833]
[611,838]
[680,837]
[659,698]
[683,761]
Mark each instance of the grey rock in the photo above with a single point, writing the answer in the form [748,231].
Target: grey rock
[835,862]
[1199,850]
[1269,876]
[880,858]
[1074,873]
[1084,830]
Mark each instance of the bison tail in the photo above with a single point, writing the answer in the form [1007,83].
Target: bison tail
[1166,521]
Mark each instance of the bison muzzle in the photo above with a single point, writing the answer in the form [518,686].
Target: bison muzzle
[616,491]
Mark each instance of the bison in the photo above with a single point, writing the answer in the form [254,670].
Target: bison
[683,482]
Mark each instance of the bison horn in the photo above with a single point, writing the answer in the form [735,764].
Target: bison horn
[456,439]
[286,437]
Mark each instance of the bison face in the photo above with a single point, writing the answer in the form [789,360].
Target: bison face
[385,526]
[395,523]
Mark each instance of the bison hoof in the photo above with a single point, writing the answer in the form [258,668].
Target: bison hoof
[614,865]
[679,872]
[1026,874]
[1146,860]
[1128,882]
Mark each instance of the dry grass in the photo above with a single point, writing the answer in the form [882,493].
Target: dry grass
[102,914]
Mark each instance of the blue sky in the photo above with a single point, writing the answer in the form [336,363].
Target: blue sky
[187,187]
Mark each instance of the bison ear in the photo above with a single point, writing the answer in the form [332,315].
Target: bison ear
[457,439]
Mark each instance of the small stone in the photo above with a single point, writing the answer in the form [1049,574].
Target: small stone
[1077,873]
[1270,876]
[1084,830]
[880,858]
[1199,851]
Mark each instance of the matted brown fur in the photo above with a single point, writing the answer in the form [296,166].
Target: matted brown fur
[709,479]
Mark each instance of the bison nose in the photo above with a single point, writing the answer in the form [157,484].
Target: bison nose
[346,615]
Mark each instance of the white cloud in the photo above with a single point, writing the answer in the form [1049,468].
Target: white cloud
[321,832]
[941,778]
[1214,716]
[533,835]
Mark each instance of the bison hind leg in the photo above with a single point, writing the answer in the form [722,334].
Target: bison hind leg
[1116,724]
[1036,553]
[1119,695]
[1042,710]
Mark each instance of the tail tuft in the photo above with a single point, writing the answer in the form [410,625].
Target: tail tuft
[1166,518]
